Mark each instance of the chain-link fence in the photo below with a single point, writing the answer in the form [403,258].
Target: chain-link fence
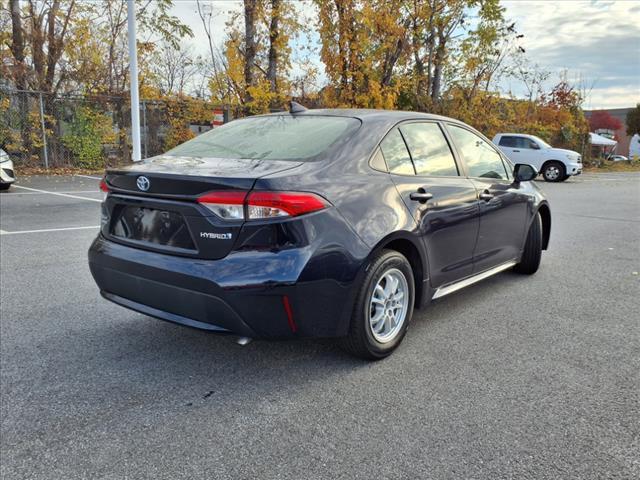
[94,131]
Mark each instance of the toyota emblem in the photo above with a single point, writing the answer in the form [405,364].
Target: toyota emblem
[143,183]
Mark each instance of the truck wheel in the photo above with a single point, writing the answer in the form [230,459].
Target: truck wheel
[383,307]
[554,172]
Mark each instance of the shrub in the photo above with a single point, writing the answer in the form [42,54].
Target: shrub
[87,134]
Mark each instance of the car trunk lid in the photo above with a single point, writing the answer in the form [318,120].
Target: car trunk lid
[153,205]
[184,177]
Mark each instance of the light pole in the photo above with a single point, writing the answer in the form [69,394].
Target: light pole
[133,76]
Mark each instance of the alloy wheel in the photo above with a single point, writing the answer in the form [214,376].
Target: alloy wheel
[388,305]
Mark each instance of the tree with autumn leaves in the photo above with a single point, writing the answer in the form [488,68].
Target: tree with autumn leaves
[253,68]
[603,120]
[388,53]
[443,56]
[53,49]
[73,46]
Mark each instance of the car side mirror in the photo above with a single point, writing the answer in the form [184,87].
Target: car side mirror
[523,172]
[535,146]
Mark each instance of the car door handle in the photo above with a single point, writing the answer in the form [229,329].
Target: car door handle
[516,150]
[486,196]
[421,196]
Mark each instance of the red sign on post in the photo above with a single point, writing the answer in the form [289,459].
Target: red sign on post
[218,118]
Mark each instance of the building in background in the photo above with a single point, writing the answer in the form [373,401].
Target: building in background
[620,135]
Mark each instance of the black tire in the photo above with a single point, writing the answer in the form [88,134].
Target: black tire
[5,186]
[360,340]
[530,260]
[554,172]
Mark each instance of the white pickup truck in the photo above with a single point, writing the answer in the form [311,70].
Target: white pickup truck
[555,164]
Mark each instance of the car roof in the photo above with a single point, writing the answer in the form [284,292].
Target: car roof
[381,120]
[366,114]
[526,135]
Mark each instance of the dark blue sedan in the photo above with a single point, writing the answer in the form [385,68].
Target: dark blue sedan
[316,223]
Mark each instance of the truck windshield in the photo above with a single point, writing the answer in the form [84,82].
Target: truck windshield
[274,137]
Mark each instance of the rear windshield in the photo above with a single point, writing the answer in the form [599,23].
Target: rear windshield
[278,137]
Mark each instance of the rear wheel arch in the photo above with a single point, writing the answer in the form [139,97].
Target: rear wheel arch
[545,216]
[414,256]
[532,252]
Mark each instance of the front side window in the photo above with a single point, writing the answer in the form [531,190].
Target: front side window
[274,137]
[396,154]
[429,149]
[523,142]
[531,144]
[541,143]
[508,166]
[480,157]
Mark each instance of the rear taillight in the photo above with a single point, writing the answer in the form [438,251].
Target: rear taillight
[282,204]
[227,205]
[104,214]
[104,188]
[261,205]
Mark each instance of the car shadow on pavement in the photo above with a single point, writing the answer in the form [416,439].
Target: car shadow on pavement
[135,359]
[145,357]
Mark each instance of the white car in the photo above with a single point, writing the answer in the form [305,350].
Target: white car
[7,175]
[617,158]
[555,164]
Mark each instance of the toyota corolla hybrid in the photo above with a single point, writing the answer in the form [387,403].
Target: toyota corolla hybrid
[316,223]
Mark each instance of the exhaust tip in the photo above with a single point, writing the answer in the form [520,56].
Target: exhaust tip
[243,341]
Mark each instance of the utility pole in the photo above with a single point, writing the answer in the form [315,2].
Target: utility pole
[133,78]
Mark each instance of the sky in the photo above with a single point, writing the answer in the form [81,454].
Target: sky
[596,42]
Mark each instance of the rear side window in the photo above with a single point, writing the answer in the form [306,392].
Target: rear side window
[429,149]
[274,137]
[508,141]
[396,154]
[479,156]
[377,161]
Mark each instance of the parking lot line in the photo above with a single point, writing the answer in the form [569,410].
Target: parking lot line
[89,176]
[46,193]
[45,230]
[59,194]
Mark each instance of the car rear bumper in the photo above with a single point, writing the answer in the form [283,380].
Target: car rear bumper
[255,294]
[169,302]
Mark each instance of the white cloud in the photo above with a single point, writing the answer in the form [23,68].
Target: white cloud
[596,40]
[613,97]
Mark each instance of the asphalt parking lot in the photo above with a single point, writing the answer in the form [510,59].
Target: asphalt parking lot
[515,377]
